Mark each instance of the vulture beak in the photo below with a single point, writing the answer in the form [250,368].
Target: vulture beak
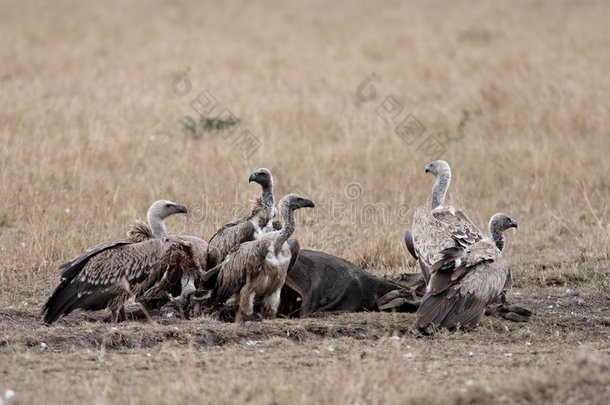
[309,203]
[427,170]
[513,223]
[252,177]
[182,209]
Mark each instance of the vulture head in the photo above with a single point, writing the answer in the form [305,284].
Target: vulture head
[497,225]
[295,201]
[261,176]
[501,222]
[160,210]
[437,167]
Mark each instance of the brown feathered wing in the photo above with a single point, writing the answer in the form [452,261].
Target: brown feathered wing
[440,229]
[463,282]
[233,271]
[102,274]
[231,235]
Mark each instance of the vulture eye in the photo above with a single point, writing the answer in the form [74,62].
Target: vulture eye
[167,205]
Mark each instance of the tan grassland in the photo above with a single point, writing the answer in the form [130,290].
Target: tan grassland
[93,105]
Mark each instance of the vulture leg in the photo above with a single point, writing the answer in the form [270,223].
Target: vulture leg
[188,282]
[246,303]
[188,289]
[270,304]
[118,315]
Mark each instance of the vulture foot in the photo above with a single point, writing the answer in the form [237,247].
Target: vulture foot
[509,312]
[116,316]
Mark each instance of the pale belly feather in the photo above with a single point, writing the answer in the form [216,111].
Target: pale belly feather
[273,272]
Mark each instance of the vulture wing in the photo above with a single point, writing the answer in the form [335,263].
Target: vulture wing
[295,249]
[97,278]
[231,235]
[233,271]
[463,282]
[409,243]
[440,229]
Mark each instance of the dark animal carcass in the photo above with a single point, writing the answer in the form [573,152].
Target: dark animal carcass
[320,283]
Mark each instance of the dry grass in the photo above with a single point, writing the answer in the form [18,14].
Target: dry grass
[90,135]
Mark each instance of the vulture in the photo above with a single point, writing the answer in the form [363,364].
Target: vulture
[442,226]
[108,274]
[260,220]
[206,257]
[465,280]
[258,268]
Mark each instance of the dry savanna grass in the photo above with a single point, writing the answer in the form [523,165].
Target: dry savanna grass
[97,121]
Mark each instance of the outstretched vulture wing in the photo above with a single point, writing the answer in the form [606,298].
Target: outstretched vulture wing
[71,268]
[96,278]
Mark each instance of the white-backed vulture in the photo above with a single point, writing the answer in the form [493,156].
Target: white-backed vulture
[108,274]
[206,256]
[257,269]
[259,221]
[465,280]
[442,226]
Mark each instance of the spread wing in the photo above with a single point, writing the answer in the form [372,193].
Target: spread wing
[440,229]
[139,232]
[93,279]
[463,282]
[233,271]
[231,235]
[70,268]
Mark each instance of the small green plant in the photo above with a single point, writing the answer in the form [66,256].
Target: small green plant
[189,125]
[218,123]
[207,124]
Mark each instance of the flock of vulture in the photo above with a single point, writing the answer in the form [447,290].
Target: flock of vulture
[251,268]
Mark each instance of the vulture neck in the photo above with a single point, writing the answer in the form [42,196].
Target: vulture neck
[287,228]
[439,190]
[267,200]
[158,226]
[497,234]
